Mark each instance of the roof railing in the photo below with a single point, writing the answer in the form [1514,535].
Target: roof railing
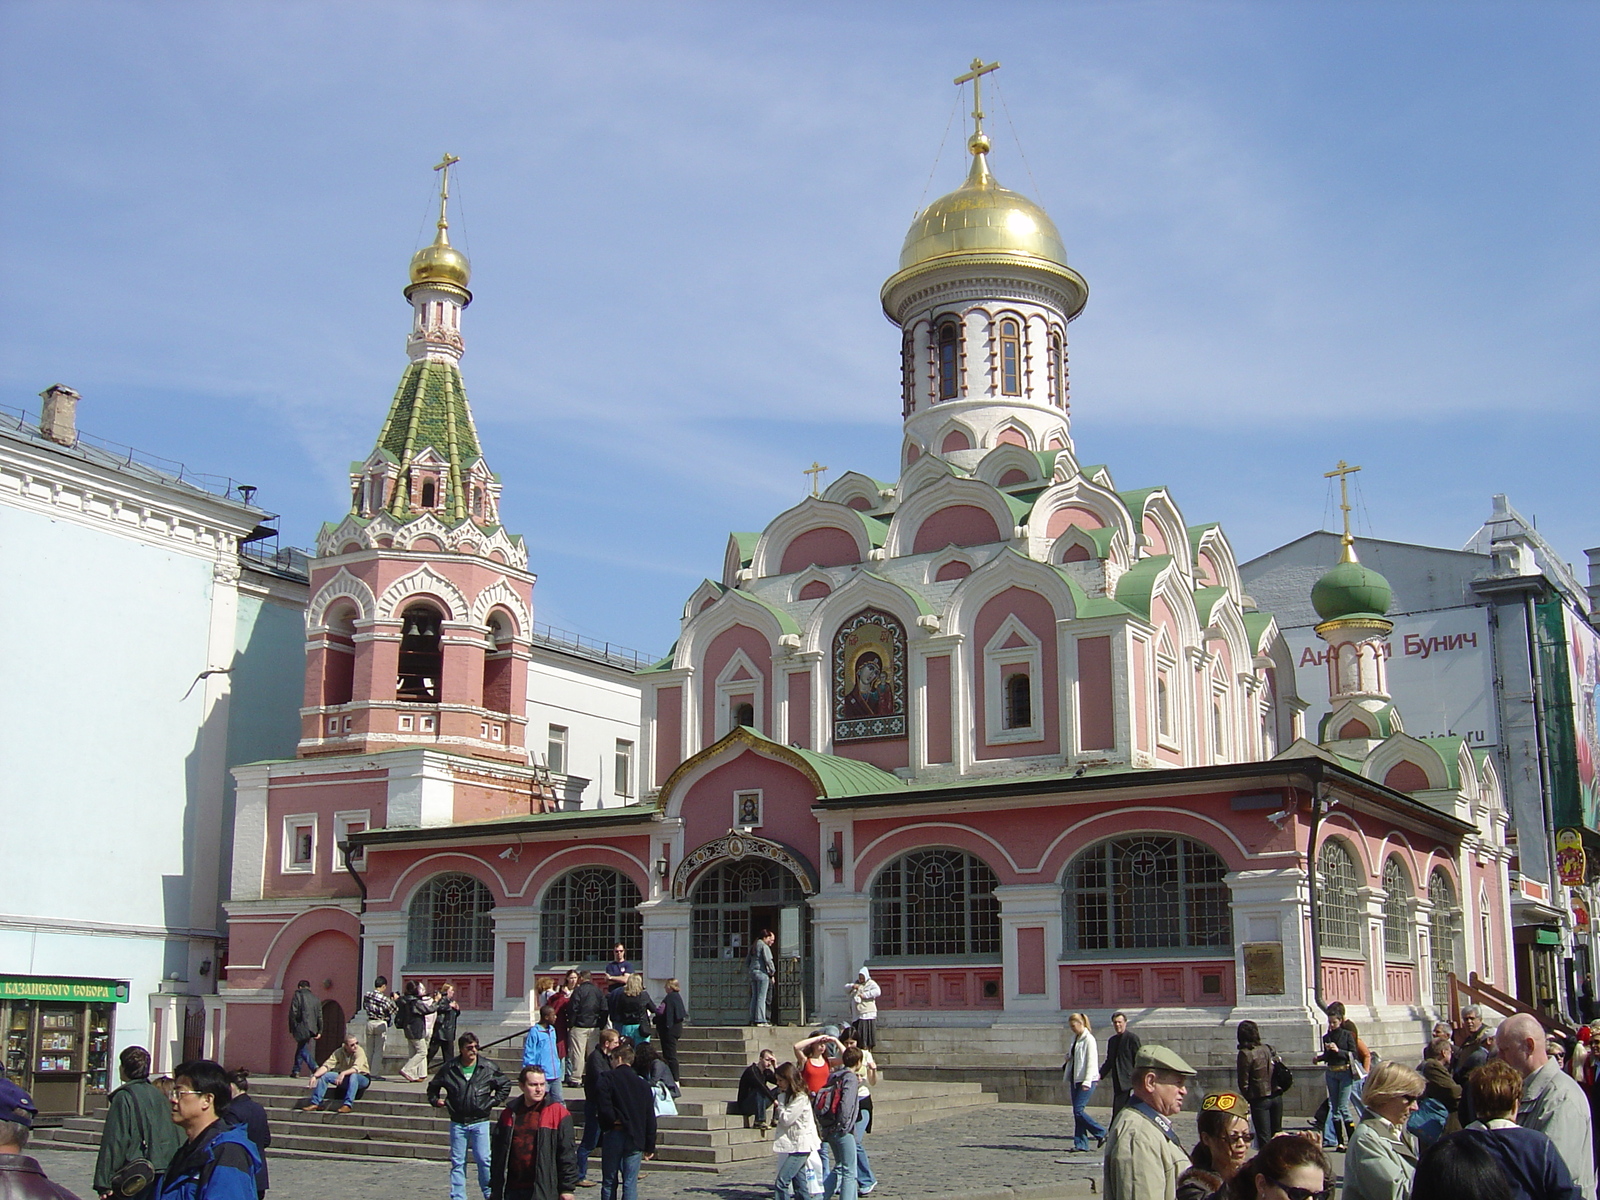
[609,652]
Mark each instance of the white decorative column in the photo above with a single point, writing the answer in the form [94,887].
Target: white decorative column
[515,925]
[1370,902]
[666,924]
[1030,913]
[1271,917]
[841,930]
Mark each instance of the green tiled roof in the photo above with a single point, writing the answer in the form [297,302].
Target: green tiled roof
[1447,748]
[1198,532]
[1136,587]
[430,411]
[747,546]
[847,777]
[1256,625]
[1206,600]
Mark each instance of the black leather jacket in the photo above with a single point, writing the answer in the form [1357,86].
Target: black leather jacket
[586,1009]
[470,1100]
[22,1179]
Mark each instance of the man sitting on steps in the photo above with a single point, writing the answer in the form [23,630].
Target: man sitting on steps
[346,1067]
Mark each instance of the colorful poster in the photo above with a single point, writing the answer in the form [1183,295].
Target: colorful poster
[869,678]
[1570,864]
[1584,644]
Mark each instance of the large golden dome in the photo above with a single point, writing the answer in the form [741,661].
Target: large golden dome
[981,217]
[440,262]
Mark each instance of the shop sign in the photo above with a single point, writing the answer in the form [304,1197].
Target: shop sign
[1569,858]
[1580,915]
[96,991]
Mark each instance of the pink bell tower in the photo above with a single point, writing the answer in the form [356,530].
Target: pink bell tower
[422,604]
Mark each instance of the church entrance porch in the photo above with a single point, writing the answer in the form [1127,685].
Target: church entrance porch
[730,905]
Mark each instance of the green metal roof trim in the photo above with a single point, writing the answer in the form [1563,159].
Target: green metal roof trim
[1197,534]
[877,528]
[747,546]
[848,777]
[922,605]
[1206,600]
[630,814]
[1102,536]
[430,410]
[664,665]
[1256,625]
[1085,605]
[1019,512]
[1047,463]
[1447,748]
[1138,585]
[1136,498]
[1386,725]
[785,622]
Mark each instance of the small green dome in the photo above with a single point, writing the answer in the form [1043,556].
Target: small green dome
[1351,590]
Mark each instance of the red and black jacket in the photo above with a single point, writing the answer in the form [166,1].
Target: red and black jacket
[555,1158]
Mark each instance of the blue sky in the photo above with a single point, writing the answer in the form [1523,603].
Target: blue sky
[1310,231]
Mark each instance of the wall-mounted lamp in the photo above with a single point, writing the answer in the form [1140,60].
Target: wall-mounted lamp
[661,868]
[205,967]
[835,859]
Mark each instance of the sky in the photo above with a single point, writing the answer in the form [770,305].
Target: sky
[1311,231]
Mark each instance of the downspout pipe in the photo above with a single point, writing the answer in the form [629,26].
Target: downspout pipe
[1318,790]
[1536,676]
[344,854]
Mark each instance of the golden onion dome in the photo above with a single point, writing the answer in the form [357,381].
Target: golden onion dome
[440,262]
[981,217]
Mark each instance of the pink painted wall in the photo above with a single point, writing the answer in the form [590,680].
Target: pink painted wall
[885,755]
[815,590]
[800,709]
[938,709]
[1141,699]
[1157,539]
[1406,777]
[1199,983]
[669,731]
[1034,611]
[717,656]
[787,797]
[1013,476]
[1206,571]
[1011,437]
[1030,961]
[319,798]
[323,957]
[958,525]
[952,570]
[822,547]
[939,987]
[1071,515]
[953,441]
[1096,718]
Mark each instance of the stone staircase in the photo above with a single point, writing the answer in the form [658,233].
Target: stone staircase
[394,1120]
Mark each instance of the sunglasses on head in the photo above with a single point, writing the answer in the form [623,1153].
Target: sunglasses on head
[1299,1193]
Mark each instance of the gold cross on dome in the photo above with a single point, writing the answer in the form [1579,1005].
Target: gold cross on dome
[975,77]
[815,470]
[1344,470]
[443,166]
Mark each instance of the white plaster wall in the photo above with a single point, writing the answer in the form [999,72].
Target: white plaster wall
[598,708]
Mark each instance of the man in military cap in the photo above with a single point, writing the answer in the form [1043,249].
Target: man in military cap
[1143,1157]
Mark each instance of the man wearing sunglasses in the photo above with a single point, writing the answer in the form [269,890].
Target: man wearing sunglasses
[1143,1155]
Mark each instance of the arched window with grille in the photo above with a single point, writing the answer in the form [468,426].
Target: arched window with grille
[1150,892]
[935,904]
[1398,894]
[451,924]
[1338,908]
[1447,930]
[949,346]
[1010,357]
[585,913]
[1019,702]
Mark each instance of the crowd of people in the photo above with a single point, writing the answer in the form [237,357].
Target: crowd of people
[1487,1114]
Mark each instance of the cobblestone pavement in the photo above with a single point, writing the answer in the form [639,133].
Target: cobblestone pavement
[1003,1145]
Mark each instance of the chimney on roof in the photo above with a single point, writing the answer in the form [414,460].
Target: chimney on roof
[58,419]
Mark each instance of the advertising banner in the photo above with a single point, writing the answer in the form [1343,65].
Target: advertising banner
[1583,644]
[1440,671]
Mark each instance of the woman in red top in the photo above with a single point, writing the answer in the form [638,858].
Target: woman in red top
[812,1057]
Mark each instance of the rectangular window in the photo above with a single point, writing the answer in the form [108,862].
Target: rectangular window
[406,723]
[344,824]
[556,755]
[624,768]
[300,843]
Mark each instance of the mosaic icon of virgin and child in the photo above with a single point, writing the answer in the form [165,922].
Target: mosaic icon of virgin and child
[872,694]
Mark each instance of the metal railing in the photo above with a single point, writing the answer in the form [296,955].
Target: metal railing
[610,652]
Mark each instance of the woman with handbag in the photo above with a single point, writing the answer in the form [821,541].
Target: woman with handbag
[662,1086]
[632,1012]
[139,1137]
[1255,1069]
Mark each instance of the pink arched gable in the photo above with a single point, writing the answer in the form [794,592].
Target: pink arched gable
[1013,476]
[1184,816]
[1157,539]
[394,876]
[958,525]
[562,859]
[1406,776]
[953,441]
[1011,437]
[815,590]
[1205,571]
[786,799]
[1062,517]
[1034,611]
[967,833]
[717,656]
[825,546]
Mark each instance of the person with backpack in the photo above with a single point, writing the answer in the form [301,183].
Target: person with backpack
[1256,1066]
[795,1140]
[412,1020]
[540,1049]
[837,1105]
[138,1123]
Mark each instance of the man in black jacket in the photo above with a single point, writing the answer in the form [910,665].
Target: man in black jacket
[586,1013]
[1122,1047]
[305,1026]
[596,1065]
[532,1145]
[471,1088]
[628,1126]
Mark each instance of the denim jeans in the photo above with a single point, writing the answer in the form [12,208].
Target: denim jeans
[841,1178]
[865,1179]
[1084,1126]
[760,981]
[1340,1084]
[302,1054]
[591,1137]
[618,1161]
[476,1136]
[347,1094]
[796,1180]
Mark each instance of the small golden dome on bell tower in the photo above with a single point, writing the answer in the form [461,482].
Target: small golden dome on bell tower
[439,262]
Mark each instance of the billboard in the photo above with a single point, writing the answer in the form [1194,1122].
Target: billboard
[1440,671]
[1583,645]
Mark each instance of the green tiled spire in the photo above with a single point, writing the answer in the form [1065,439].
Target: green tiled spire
[430,410]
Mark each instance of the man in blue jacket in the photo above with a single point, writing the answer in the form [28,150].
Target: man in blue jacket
[539,1050]
[218,1162]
